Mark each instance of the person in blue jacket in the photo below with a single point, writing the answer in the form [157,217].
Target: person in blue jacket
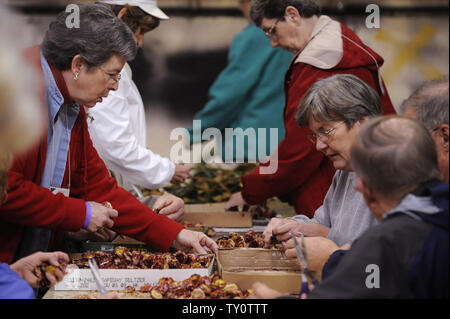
[17,279]
[248,93]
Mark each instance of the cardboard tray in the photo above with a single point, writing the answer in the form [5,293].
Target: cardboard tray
[121,240]
[118,279]
[245,266]
[215,215]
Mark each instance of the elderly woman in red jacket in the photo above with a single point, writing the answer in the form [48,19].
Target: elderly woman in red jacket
[61,184]
[323,47]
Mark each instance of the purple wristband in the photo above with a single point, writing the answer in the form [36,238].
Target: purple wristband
[87,220]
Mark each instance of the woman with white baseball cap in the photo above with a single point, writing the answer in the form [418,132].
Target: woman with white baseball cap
[118,126]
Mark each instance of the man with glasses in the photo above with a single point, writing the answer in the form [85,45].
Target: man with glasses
[323,48]
[429,105]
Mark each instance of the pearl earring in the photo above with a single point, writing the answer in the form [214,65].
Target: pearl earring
[75,77]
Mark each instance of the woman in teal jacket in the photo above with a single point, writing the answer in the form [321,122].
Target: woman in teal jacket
[248,93]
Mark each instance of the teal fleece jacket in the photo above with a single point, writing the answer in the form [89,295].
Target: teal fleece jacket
[248,93]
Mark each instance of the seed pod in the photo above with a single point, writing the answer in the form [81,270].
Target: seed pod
[198,293]
[156,294]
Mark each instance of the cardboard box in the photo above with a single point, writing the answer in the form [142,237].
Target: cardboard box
[245,266]
[118,279]
[215,215]
[121,240]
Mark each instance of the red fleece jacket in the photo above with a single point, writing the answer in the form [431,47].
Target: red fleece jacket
[30,205]
[305,174]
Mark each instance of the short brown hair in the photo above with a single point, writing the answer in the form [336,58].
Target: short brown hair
[135,16]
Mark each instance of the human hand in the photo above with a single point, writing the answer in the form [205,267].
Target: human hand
[309,229]
[24,267]
[318,251]
[194,242]
[171,206]
[102,216]
[236,199]
[262,291]
[181,173]
[103,235]
[272,226]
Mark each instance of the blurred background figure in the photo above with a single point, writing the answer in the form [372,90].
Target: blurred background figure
[247,94]
[117,125]
[20,126]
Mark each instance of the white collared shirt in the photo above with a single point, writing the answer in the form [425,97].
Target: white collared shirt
[118,132]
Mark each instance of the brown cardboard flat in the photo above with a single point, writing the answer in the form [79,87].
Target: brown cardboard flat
[245,266]
[122,239]
[215,215]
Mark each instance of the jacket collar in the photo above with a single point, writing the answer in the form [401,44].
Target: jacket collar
[419,201]
[325,47]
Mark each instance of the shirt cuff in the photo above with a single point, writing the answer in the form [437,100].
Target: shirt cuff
[87,220]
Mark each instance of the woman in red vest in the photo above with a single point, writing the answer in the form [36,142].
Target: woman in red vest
[61,183]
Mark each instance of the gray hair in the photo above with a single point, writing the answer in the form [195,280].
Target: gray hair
[393,155]
[341,97]
[271,9]
[430,103]
[99,36]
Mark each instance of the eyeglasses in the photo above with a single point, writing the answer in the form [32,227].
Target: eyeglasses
[271,31]
[435,129]
[115,77]
[322,136]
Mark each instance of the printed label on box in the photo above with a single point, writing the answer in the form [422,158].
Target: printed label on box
[118,279]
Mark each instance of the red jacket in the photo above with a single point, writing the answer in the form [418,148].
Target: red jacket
[305,174]
[30,205]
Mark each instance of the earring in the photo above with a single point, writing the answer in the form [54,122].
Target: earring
[75,77]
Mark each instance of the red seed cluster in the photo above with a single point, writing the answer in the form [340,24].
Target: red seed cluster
[195,287]
[249,239]
[123,258]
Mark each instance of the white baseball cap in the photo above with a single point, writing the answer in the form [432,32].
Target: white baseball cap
[149,6]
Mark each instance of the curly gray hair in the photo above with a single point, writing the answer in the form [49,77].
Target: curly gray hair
[99,36]
[341,97]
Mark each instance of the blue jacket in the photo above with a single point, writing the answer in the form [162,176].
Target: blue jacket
[12,286]
[248,93]
[410,247]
